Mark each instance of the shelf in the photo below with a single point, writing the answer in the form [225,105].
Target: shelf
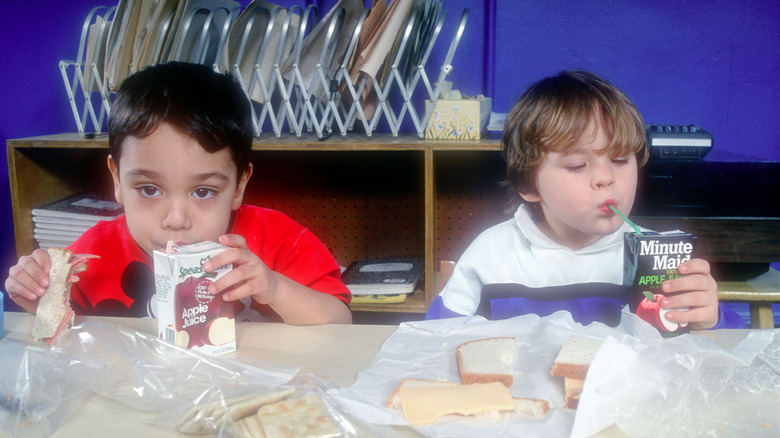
[290,142]
[364,196]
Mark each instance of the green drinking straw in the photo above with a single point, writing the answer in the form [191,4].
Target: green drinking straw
[628,221]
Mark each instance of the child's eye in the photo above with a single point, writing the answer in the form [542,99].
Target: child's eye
[620,161]
[204,193]
[575,167]
[149,191]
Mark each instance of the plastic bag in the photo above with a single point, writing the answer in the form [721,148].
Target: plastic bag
[686,386]
[41,385]
[187,391]
[39,388]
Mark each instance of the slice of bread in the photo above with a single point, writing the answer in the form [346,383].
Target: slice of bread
[575,357]
[531,407]
[573,389]
[394,401]
[487,360]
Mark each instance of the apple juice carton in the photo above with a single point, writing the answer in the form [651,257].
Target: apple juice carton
[188,315]
[649,259]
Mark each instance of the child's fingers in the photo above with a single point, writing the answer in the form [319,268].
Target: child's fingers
[695,266]
[696,316]
[693,282]
[242,280]
[690,300]
[28,290]
[237,253]
[30,277]
[233,240]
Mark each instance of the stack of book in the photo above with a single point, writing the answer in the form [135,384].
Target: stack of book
[383,280]
[62,222]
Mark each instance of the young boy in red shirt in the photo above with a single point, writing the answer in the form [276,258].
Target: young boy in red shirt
[180,136]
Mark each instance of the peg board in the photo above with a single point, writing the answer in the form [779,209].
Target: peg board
[461,218]
[360,205]
[470,198]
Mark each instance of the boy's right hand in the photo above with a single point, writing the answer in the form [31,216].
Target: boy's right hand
[27,280]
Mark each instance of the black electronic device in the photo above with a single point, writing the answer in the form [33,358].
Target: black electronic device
[678,142]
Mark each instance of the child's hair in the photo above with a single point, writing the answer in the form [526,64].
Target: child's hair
[554,113]
[210,107]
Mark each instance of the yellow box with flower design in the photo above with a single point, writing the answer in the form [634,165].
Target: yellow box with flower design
[458,119]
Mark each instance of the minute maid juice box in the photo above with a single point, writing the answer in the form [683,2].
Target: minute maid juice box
[188,315]
[649,259]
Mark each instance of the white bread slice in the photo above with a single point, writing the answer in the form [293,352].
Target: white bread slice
[531,407]
[487,360]
[573,389]
[394,401]
[54,306]
[575,357]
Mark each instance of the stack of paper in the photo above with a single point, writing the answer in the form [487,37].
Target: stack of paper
[383,277]
[138,33]
[62,222]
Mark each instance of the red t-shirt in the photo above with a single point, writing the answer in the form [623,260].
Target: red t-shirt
[121,281]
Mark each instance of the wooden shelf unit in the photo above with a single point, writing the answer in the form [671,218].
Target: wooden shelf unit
[365,197]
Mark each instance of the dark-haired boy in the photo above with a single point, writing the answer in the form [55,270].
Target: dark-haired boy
[179,138]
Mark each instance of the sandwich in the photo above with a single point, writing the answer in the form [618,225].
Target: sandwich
[54,313]
[573,362]
[487,360]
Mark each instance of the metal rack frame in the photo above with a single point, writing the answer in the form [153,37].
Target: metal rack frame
[329,103]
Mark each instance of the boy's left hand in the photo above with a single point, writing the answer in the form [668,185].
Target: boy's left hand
[697,291]
[249,277]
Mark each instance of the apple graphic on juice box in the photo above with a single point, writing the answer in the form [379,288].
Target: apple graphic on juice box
[197,310]
[651,311]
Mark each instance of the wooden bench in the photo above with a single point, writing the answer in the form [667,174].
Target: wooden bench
[760,300]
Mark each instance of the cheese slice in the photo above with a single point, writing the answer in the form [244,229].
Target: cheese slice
[424,404]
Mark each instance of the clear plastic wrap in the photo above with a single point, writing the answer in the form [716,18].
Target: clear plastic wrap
[687,386]
[39,388]
[645,385]
[189,392]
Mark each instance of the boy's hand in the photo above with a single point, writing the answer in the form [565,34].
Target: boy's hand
[249,277]
[697,290]
[27,280]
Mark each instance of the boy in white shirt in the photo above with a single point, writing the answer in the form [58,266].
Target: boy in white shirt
[573,144]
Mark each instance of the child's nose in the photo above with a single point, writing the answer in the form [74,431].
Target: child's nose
[177,217]
[603,177]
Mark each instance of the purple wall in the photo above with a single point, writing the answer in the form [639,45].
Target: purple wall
[711,63]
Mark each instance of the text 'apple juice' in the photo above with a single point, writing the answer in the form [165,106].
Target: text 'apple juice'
[188,314]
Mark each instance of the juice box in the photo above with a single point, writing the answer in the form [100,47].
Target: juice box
[649,259]
[187,314]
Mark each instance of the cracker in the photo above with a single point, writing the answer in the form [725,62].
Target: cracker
[203,418]
[250,427]
[305,416]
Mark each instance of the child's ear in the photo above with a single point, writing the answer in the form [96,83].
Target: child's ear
[238,197]
[114,169]
[530,196]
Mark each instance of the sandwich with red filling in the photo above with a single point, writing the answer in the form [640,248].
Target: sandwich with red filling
[54,313]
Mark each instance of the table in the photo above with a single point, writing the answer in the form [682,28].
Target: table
[336,353]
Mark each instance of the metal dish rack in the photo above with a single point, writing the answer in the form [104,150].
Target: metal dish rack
[329,103]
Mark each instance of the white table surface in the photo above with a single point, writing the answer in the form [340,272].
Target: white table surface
[336,353]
